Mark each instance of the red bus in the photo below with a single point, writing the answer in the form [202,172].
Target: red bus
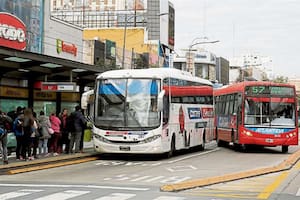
[256,113]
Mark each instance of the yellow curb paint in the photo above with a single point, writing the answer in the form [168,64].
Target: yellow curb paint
[272,187]
[47,166]
[298,165]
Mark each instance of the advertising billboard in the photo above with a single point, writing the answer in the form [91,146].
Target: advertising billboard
[29,13]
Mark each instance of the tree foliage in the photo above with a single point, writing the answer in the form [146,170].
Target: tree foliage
[281,79]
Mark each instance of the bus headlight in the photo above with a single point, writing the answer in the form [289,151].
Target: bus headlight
[248,133]
[150,139]
[100,138]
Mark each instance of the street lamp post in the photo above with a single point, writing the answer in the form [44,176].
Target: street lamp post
[124,37]
[125,30]
[189,56]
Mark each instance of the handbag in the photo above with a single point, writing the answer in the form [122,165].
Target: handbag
[50,130]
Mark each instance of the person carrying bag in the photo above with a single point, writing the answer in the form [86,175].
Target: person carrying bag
[4,121]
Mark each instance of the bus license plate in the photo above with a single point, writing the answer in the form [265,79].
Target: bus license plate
[123,148]
[269,140]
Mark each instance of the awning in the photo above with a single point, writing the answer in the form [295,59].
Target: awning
[22,65]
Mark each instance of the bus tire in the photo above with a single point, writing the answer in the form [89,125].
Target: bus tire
[284,148]
[172,147]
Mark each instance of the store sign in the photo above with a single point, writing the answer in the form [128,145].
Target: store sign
[58,86]
[61,46]
[42,95]
[13,92]
[12,31]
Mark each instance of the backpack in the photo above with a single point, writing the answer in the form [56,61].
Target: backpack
[3,128]
[70,122]
[18,126]
[2,131]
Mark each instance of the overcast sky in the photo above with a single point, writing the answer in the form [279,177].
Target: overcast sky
[267,27]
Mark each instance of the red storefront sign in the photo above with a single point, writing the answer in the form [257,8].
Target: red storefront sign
[61,46]
[12,31]
[58,86]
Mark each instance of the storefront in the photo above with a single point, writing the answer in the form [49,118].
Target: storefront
[29,58]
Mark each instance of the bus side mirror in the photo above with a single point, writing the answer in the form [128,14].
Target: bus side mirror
[160,102]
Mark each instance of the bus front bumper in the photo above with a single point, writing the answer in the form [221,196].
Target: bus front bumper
[268,141]
[154,147]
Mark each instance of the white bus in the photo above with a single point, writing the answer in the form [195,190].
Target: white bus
[150,111]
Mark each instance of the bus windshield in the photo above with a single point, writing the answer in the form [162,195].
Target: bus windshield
[269,111]
[127,104]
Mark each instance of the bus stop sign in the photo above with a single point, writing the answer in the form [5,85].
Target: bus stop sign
[58,86]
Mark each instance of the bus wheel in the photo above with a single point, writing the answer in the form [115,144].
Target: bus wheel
[172,148]
[243,147]
[284,149]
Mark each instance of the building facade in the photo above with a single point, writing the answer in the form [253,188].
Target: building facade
[143,28]
[200,63]
[44,50]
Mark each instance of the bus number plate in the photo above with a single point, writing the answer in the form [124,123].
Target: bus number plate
[124,148]
[269,140]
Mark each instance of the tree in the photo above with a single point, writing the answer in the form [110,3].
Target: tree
[281,79]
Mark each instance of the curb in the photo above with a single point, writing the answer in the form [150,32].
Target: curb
[48,166]
[46,163]
[285,165]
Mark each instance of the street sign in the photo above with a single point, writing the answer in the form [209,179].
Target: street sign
[58,86]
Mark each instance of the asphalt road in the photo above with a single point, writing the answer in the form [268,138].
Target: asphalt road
[140,177]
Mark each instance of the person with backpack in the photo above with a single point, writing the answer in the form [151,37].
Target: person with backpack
[4,122]
[75,124]
[19,133]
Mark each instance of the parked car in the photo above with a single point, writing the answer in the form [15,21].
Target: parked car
[11,143]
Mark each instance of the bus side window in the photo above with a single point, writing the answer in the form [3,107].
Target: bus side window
[166,110]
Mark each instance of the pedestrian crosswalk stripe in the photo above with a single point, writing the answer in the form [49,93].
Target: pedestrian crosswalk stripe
[169,198]
[73,186]
[67,194]
[117,196]
[298,193]
[15,194]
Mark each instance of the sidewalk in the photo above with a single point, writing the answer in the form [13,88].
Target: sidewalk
[15,166]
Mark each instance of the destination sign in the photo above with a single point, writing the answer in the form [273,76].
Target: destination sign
[269,90]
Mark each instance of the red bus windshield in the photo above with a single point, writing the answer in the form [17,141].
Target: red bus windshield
[268,111]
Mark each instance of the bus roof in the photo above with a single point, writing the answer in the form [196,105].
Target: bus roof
[189,90]
[240,87]
[159,73]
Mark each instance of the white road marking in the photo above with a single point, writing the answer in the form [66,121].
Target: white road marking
[169,198]
[68,194]
[19,193]
[74,186]
[181,168]
[117,196]
[154,179]
[140,178]
[298,193]
[191,156]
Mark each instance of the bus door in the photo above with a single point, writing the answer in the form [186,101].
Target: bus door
[238,112]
